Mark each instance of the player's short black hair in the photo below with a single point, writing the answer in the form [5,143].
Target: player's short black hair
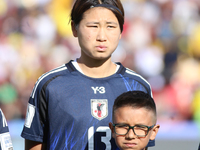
[135,99]
[81,6]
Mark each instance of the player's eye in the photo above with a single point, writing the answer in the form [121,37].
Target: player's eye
[110,26]
[93,26]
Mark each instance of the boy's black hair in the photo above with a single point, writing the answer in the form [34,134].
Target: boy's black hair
[135,99]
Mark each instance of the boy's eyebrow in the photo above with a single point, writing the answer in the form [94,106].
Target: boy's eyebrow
[122,123]
[141,125]
[138,124]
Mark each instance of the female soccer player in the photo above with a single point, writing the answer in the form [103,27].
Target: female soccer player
[70,107]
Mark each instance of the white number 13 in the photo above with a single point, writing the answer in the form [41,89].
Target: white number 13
[105,139]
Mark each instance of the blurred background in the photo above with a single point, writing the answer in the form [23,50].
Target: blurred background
[160,41]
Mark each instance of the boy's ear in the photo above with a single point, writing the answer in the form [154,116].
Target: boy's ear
[112,129]
[154,132]
[74,30]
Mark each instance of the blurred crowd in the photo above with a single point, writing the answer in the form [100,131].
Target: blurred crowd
[161,41]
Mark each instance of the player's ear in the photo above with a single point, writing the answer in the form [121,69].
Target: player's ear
[120,36]
[74,29]
[154,132]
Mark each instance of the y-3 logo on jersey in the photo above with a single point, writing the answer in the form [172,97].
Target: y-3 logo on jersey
[100,90]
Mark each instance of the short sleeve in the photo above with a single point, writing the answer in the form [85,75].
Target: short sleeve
[33,128]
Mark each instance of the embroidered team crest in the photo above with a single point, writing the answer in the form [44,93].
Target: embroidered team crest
[99,108]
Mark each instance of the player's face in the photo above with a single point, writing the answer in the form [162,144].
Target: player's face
[133,116]
[98,33]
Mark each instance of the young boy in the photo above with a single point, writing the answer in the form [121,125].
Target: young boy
[134,120]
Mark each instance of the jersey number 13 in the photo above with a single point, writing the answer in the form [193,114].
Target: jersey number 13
[104,139]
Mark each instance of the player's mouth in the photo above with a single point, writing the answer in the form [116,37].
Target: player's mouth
[101,48]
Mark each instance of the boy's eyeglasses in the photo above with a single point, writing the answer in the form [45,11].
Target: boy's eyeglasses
[139,130]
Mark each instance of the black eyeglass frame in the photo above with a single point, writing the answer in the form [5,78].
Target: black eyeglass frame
[132,127]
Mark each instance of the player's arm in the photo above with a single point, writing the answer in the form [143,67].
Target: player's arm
[32,145]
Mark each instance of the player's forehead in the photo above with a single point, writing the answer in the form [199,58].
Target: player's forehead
[99,14]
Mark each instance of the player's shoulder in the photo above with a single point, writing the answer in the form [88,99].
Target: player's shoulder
[1,113]
[135,75]
[131,73]
[49,76]
[59,71]
[3,122]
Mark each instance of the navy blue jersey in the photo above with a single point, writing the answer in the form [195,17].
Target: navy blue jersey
[68,110]
[5,139]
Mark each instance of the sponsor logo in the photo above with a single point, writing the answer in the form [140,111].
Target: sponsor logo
[100,90]
[99,108]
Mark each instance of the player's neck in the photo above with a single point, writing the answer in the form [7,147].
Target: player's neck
[97,68]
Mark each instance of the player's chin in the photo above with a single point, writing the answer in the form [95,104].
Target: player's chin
[102,57]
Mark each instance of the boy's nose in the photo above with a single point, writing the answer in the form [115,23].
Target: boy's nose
[131,134]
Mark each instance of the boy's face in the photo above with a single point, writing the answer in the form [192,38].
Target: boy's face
[133,116]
